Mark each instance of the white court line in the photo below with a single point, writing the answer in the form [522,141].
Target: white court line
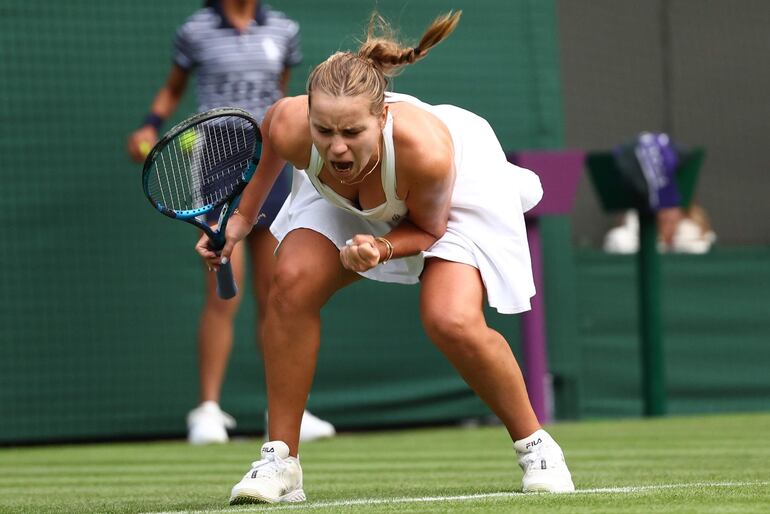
[468,497]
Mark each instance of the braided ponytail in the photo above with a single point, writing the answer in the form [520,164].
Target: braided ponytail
[385,52]
[380,57]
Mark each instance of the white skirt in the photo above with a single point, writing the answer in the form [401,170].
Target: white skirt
[486,218]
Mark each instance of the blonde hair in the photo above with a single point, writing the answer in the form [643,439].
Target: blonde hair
[381,56]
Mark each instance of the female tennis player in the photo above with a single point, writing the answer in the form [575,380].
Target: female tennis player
[395,190]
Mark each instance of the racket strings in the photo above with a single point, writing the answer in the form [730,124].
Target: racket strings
[202,165]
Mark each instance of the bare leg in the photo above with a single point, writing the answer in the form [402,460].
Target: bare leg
[451,307]
[215,332]
[307,273]
[262,246]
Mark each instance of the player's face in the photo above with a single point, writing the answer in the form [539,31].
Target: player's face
[346,134]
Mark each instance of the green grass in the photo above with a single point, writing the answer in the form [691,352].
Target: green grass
[712,464]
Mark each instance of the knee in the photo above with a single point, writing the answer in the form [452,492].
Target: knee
[289,291]
[455,330]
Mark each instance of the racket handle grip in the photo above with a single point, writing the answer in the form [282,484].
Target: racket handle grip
[226,287]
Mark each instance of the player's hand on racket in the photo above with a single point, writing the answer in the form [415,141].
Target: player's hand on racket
[238,227]
[211,258]
[360,253]
[140,142]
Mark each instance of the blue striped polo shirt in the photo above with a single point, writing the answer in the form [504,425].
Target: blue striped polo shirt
[237,69]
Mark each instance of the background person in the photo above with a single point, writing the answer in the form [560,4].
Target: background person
[395,190]
[680,230]
[241,53]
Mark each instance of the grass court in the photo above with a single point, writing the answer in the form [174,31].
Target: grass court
[705,464]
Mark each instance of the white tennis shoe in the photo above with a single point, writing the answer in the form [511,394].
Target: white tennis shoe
[275,478]
[208,424]
[542,461]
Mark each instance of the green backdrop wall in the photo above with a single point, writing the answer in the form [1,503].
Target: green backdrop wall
[716,318]
[99,296]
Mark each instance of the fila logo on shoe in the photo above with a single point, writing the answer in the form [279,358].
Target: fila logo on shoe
[533,443]
[269,449]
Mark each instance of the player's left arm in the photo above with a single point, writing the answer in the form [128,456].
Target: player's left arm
[425,163]
[431,180]
[430,191]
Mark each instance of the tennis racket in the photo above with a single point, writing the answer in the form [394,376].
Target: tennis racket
[200,165]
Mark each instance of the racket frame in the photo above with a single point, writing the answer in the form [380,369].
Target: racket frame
[228,203]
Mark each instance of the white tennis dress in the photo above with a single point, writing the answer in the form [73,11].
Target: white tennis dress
[486,218]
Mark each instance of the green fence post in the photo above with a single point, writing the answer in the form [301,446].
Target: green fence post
[616,194]
[651,328]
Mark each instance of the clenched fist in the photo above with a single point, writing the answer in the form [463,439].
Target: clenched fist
[361,253]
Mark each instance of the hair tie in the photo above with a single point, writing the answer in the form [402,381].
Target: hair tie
[417,50]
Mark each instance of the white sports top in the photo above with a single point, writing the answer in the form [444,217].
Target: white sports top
[486,218]
[393,209]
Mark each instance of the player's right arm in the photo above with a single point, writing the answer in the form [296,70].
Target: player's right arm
[285,137]
[164,105]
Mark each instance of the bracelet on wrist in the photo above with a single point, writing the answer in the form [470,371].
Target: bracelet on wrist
[153,120]
[388,247]
[237,211]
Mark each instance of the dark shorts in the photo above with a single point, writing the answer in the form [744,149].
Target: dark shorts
[273,203]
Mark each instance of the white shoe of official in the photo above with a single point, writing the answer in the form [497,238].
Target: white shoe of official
[543,464]
[275,478]
[313,428]
[623,239]
[208,424]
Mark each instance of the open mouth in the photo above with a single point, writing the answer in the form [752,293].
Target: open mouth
[342,167]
